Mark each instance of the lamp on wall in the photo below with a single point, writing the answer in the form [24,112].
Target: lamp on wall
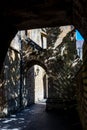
[37,71]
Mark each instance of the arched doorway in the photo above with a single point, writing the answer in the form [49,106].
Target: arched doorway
[36,83]
[41,84]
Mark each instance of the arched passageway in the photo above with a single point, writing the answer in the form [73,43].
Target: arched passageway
[53,93]
[56,60]
[34,14]
[41,84]
[36,82]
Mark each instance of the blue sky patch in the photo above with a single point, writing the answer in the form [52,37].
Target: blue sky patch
[79,36]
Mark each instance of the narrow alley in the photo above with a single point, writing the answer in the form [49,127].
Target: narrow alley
[36,118]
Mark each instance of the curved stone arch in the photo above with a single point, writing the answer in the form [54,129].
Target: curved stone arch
[31,63]
[30,79]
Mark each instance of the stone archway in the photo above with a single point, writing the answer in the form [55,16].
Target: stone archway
[14,16]
[36,84]
[33,62]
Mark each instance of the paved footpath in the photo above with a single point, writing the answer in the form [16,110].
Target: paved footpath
[36,118]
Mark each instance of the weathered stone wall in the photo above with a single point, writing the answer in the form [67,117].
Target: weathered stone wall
[2,97]
[21,83]
[79,91]
[17,89]
[39,83]
[82,89]
[28,88]
[10,82]
[84,78]
[61,65]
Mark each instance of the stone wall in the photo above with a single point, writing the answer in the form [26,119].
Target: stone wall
[20,84]
[61,65]
[28,88]
[82,89]
[11,82]
[17,89]
[79,91]
[39,83]
[2,97]
[84,77]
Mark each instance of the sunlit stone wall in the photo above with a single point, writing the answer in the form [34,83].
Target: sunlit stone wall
[39,83]
[11,82]
[22,89]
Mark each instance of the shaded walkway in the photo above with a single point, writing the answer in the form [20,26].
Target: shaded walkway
[36,118]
